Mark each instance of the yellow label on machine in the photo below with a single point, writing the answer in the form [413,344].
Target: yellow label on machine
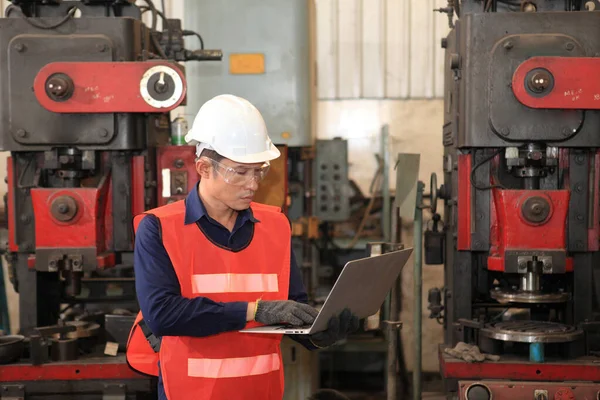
[250,63]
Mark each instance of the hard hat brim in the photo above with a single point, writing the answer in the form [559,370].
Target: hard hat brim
[264,156]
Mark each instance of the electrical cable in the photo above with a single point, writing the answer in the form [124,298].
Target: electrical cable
[479,164]
[456,6]
[10,8]
[500,315]
[65,19]
[161,52]
[189,33]
[165,26]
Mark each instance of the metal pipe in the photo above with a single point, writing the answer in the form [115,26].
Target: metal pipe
[536,352]
[392,331]
[385,185]
[530,281]
[418,289]
[385,195]
[309,268]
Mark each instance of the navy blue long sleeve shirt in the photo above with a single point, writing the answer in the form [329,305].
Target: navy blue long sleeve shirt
[165,310]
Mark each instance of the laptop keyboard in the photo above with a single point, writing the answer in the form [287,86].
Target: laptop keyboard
[294,327]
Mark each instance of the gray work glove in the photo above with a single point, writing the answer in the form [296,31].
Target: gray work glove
[285,312]
[470,353]
[338,328]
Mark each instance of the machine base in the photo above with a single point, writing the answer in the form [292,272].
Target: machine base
[582,369]
[85,378]
[509,390]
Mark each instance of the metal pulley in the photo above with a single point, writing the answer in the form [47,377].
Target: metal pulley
[434,192]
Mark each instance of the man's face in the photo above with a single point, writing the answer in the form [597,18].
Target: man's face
[234,184]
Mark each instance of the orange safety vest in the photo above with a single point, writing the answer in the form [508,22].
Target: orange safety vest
[229,365]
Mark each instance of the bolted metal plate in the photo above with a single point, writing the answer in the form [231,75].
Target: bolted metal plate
[531,332]
[511,120]
[47,127]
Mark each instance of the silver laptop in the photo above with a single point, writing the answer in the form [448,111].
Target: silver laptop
[361,287]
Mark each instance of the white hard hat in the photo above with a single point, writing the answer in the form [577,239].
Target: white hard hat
[234,128]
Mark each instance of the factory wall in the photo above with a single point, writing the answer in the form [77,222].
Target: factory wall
[415,127]
[380,62]
[377,62]
[382,49]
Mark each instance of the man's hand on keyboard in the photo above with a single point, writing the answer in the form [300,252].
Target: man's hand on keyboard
[285,312]
[338,328]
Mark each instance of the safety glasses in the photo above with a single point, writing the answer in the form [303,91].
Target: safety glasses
[239,175]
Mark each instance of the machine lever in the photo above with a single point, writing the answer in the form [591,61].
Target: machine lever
[469,323]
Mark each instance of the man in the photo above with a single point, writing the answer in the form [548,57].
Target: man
[215,263]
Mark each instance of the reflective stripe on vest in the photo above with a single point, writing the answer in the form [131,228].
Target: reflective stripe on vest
[234,283]
[233,367]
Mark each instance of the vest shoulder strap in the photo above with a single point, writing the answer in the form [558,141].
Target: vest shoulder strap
[174,209]
[265,207]
[153,341]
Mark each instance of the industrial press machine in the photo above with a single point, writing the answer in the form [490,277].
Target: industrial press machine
[86,88]
[521,190]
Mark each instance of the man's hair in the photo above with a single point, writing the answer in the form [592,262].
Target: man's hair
[214,158]
[213,155]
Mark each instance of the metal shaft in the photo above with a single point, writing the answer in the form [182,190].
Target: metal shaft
[530,281]
[418,289]
[385,187]
[532,183]
[392,331]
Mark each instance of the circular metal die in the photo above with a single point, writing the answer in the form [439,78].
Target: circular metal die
[478,391]
[539,82]
[64,208]
[521,296]
[161,86]
[531,332]
[536,209]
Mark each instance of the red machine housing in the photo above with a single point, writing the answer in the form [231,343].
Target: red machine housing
[511,231]
[91,91]
[176,169]
[85,223]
